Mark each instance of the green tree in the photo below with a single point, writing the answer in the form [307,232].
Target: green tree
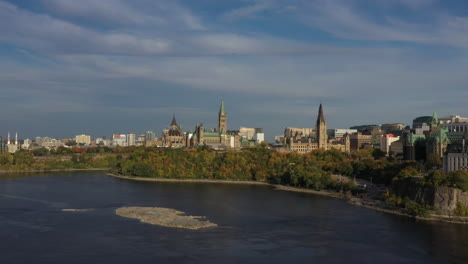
[40,152]
[459,179]
[433,162]
[6,159]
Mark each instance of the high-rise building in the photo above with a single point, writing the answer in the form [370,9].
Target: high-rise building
[119,140]
[131,139]
[83,139]
[150,135]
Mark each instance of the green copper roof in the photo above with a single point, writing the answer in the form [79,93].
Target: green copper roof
[440,136]
[221,108]
[210,134]
[412,138]
[435,119]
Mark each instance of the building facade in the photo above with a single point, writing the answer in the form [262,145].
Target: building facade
[131,139]
[456,158]
[434,141]
[3,148]
[386,141]
[173,136]
[359,141]
[303,140]
[119,140]
[83,139]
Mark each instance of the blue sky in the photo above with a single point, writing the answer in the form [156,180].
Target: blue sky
[114,66]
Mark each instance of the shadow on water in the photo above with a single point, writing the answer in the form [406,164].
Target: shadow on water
[257,224]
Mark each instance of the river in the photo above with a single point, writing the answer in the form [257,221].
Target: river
[257,224]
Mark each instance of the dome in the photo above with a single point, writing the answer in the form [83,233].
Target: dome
[174,132]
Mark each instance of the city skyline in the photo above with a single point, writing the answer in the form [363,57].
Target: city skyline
[72,67]
[270,137]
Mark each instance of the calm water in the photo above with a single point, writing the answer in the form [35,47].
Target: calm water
[256,225]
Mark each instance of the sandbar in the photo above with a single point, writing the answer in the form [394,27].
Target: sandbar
[165,217]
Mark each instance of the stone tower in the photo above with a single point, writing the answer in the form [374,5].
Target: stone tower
[321,129]
[222,119]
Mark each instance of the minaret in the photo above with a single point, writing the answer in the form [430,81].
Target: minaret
[222,119]
[16,139]
[8,141]
[321,130]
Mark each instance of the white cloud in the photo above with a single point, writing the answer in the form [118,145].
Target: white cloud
[141,13]
[44,33]
[345,20]
[247,11]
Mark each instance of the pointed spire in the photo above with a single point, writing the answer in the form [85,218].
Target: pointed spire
[320,117]
[221,108]
[174,122]
[435,119]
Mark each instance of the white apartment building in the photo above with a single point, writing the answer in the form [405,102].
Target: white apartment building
[386,140]
[83,139]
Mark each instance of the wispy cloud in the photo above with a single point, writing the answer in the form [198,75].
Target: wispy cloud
[44,33]
[248,11]
[114,13]
[345,19]
[122,63]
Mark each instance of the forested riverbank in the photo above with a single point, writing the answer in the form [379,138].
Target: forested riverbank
[26,161]
[403,185]
[318,170]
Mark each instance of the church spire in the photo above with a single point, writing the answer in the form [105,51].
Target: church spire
[174,122]
[321,130]
[320,117]
[221,108]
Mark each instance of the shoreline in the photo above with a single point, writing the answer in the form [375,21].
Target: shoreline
[185,180]
[52,170]
[353,200]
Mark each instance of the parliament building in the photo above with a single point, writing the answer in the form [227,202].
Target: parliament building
[303,140]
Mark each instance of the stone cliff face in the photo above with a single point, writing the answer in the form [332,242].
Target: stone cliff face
[444,200]
[416,192]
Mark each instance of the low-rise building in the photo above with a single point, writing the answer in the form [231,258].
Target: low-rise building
[386,141]
[340,132]
[456,158]
[359,141]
